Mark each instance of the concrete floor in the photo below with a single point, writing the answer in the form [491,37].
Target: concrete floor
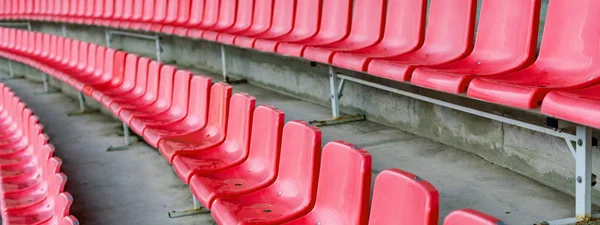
[138,187]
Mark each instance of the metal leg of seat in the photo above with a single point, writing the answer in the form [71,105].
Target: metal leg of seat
[198,209]
[336,93]
[127,144]
[82,107]
[47,89]
[226,78]
[11,72]
[581,148]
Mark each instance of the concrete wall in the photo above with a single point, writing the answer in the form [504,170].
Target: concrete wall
[535,155]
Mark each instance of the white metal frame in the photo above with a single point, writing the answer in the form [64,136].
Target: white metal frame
[579,144]
[156,38]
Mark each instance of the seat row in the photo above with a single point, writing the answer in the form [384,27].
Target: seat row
[239,160]
[496,64]
[31,184]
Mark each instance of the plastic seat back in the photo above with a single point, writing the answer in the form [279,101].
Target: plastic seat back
[64,10]
[98,9]
[283,18]
[63,204]
[196,13]
[141,76]
[91,59]
[344,186]
[119,8]
[108,9]
[368,22]
[570,35]
[138,10]
[153,80]
[165,86]
[172,11]
[241,108]
[451,30]
[183,14]
[218,107]
[306,21]
[148,13]
[299,163]
[227,14]
[83,55]
[127,10]
[181,94]
[404,25]
[261,20]
[335,20]
[89,9]
[200,90]
[211,14]
[243,18]
[130,72]
[118,66]
[507,31]
[73,6]
[160,11]
[81,9]
[470,217]
[400,197]
[46,40]
[265,142]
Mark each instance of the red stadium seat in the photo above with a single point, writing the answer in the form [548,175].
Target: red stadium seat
[178,14]
[470,217]
[231,152]
[152,72]
[261,22]
[195,19]
[117,16]
[568,59]
[128,84]
[506,42]
[256,172]
[208,136]
[163,100]
[159,17]
[210,17]
[344,187]
[579,106]
[293,192]
[178,105]
[113,73]
[366,30]
[402,36]
[306,24]
[200,89]
[108,12]
[136,15]
[81,10]
[127,14]
[282,24]
[243,21]
[134,84]
[139,89]
[44,210]
[226,19]
[98,11]
[334,27]
[90,11]
[403,198]
[147,16]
